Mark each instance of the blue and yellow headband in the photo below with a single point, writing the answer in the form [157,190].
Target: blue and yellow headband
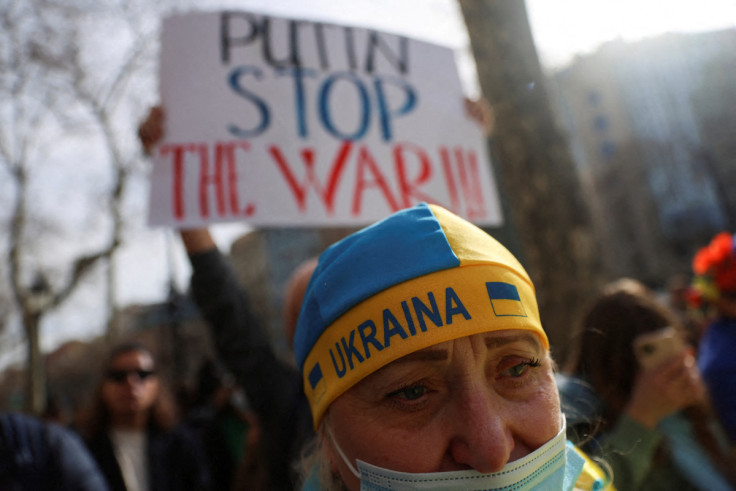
[417,278]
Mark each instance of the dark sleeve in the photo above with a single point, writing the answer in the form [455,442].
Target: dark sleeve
[273,387]
[78,470]
[241,341]
[178,461]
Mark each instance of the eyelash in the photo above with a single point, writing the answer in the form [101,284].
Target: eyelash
[532,363]
[406,404]
[415,385]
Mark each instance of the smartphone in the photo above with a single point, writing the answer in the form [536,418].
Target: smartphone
[656,347]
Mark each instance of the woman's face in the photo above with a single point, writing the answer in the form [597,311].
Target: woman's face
[131,386]
[477,402]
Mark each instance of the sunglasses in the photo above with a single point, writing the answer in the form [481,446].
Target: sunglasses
[120,376]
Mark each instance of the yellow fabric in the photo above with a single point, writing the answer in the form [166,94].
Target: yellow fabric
[473,246]
[592,474]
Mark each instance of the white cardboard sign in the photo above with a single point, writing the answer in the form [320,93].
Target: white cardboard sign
[283,122]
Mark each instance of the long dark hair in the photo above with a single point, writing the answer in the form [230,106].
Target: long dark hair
[602,351]
[95,419]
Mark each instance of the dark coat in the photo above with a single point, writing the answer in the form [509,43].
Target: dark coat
[175,461]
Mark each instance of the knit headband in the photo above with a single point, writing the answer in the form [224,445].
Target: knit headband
[420,277]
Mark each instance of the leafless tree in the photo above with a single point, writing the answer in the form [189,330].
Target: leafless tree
[55,82]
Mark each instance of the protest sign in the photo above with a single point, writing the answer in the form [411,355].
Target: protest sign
[283,122]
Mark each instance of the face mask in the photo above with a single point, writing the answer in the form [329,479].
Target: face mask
[554,466]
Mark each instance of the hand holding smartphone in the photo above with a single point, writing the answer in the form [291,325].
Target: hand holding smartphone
[653,349]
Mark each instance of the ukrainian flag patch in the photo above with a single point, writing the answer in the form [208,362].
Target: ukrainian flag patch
[505,299]
[316,381]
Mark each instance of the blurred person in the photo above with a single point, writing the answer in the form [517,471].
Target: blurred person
[715,283]
[223,422]
[272,386]
[38,455]
[651,424]
[251,472]
[130,428]
[426,365]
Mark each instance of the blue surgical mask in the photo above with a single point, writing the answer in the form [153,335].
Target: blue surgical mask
[554,466]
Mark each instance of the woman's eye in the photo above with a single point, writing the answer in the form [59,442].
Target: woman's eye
[410,393]
[520,369]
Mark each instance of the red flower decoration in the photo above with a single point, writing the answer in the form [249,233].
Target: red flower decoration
[718,260]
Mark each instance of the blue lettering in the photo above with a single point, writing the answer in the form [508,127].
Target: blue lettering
[370,338]
[407,316]
[421,310]
[298,74]
[339,371]
[234,81]
[385,115]
[388,331]
[324,106]
[453,306]
[350,350]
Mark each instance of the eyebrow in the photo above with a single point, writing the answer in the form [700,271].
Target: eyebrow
[497,342]
[429,354]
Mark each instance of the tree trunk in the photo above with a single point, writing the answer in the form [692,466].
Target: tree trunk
[534,167]
[36,373]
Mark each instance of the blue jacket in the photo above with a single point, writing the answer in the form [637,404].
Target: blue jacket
[44,456]
[717,364]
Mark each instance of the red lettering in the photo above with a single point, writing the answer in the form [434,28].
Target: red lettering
[477,193]
[450,179]
[225,157]
[223,176]
[217,183]
[366,163]
[410,189]
[300,190]
[206,179]
[470,184]
[178,180]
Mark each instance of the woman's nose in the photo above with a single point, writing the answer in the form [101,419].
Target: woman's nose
[481,437]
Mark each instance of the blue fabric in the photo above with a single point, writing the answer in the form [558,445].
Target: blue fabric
[574,467]
[39,456]
[380,256]
[717,364]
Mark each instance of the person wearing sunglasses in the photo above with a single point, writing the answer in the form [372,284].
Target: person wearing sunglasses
[130,428]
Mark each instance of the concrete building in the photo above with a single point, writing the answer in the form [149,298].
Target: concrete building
[636,140]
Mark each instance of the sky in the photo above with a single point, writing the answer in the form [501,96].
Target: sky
[562,29]
[565,28]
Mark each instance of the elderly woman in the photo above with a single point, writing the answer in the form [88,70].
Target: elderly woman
[426,365]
